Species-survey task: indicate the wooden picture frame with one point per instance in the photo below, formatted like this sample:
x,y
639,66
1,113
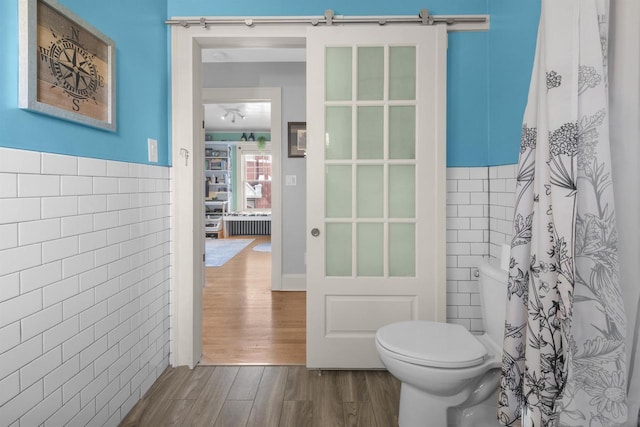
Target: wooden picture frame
x,y
67,66
297,139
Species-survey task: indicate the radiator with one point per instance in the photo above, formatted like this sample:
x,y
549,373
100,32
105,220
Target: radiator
x,y
248,226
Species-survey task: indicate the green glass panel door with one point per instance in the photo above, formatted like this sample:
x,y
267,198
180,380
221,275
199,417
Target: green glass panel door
x,y
379,172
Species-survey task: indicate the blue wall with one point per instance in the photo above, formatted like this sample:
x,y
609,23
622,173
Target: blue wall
x,y
138,29
488,74
512,42
317,7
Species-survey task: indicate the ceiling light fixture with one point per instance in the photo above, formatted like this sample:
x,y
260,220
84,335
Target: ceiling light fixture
x,y
233,112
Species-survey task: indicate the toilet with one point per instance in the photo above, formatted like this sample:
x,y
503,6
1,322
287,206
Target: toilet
x,y
445,371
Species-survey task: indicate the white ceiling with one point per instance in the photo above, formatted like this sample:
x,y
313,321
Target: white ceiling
x,y
254,55
257,117
257,114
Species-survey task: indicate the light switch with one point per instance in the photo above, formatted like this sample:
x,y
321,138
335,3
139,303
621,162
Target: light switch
x,y
291,180
153,150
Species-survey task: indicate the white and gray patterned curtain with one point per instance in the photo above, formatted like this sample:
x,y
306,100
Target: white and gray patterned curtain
x,y
563,354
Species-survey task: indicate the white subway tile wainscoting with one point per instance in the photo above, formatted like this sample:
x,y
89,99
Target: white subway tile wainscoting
x,y
85,279
502,202
84,287
480,204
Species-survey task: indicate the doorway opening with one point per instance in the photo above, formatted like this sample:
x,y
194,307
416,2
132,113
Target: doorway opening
x,y
188,96
244,319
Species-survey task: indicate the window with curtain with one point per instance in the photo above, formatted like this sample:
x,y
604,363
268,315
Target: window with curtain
x,y
255,180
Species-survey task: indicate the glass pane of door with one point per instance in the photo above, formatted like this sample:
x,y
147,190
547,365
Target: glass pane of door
x,y
370,249
370,73
338,73
338,191
338,249
402,250
370,183
370,132
402,72
402,132
338,133
402,191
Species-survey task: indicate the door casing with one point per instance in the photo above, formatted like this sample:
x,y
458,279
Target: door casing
x,y
186,112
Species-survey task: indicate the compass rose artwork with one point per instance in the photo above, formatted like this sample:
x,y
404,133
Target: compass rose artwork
x,y
67,67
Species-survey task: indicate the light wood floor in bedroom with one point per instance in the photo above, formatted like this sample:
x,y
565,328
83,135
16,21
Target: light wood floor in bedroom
x,y
244,323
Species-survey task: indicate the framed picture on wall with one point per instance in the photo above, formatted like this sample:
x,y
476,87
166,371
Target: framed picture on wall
x,y
297,139
67,67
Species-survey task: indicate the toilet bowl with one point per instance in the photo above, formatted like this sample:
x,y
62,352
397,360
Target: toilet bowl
x,y
442,367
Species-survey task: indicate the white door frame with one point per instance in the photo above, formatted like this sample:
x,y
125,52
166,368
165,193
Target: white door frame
x,y
186,135
272,95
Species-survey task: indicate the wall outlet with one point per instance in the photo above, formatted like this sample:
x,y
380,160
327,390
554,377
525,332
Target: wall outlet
x,y
153,150
291,180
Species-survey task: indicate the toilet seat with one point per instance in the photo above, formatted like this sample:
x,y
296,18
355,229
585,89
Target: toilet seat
x,y
434,344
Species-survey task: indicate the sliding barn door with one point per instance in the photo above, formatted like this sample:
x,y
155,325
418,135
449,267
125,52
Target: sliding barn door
x,y
376,186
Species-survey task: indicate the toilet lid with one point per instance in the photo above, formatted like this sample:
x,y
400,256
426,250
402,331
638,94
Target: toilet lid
x,y
441,345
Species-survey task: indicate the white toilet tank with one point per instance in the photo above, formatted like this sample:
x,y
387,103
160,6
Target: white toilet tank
x,y
493,297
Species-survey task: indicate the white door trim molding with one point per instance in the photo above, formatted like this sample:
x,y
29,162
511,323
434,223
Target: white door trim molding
x,y
187,250
274,96
187,137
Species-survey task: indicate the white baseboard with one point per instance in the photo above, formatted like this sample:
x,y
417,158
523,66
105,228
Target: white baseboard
x,y
294,282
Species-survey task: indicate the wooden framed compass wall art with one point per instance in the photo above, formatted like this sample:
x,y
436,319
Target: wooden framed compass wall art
x,y
67,67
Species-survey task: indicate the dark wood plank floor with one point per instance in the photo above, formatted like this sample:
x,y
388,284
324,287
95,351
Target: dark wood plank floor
x,y
268,396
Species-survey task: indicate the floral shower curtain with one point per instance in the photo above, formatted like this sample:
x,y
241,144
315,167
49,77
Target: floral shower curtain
x,y
563,353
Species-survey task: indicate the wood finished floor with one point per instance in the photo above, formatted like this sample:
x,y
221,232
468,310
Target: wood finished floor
x,y
268,396
244,322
